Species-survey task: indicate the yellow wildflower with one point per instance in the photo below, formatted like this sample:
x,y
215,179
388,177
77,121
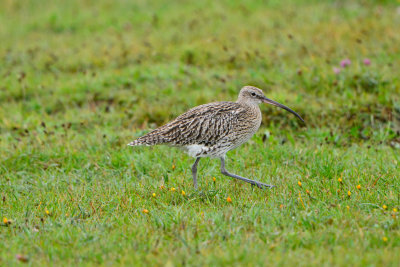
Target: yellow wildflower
x,y
145,211
47,211
347,207
384,207
340,180
394,210
228,199
5,220
214,179
154,194
173,189
299,183
183,193
173,166
349,193
359,187
385,239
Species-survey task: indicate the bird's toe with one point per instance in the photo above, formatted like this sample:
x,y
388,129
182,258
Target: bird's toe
x,y
262,186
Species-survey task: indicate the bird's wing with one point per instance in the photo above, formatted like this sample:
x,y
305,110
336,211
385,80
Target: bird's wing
x,y
205,124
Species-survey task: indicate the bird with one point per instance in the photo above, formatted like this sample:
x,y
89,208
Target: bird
x,y
211,130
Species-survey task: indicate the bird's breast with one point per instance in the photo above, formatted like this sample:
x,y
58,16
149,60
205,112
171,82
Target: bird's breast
x,y
246,126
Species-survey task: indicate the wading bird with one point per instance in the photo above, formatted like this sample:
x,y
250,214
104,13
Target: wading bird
x,y
211,130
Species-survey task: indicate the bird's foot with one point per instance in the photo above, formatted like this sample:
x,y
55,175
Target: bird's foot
x,y
262,185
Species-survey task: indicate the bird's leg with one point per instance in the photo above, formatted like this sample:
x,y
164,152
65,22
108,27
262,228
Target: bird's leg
x,y
252,182
194,172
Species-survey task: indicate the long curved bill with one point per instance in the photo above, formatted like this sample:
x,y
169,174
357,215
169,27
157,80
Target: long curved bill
x,y
272,102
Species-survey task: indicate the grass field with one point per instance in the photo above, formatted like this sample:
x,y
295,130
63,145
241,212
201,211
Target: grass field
x,y
81,79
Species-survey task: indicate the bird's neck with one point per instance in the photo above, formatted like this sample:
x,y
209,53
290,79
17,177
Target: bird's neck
x,y
247,103
254,107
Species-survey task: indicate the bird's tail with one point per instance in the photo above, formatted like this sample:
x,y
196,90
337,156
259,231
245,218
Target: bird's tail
x,y
136,143
150,139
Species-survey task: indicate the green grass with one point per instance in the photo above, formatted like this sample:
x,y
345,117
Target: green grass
x,y
80,79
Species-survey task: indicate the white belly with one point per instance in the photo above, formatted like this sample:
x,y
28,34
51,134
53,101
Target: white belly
x,y
195,150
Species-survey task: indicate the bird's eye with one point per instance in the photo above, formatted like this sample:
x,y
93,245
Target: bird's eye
x,y
253,94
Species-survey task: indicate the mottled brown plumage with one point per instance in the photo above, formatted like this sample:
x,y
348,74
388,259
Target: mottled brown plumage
x,y
211,130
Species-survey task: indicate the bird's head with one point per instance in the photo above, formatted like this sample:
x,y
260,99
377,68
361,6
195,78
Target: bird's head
x,y
254,95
